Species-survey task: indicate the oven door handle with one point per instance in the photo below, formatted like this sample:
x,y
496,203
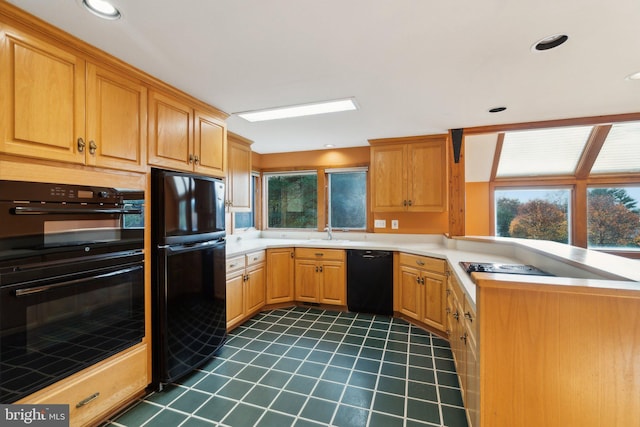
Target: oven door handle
x,y
39,289
25,210
176,249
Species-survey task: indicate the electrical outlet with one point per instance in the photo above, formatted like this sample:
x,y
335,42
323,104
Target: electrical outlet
x,y
394,224
380,223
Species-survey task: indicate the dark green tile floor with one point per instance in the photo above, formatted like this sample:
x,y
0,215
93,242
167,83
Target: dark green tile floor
x,y
308,367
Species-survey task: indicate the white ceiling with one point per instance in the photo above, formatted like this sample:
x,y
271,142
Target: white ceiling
x,y
414,66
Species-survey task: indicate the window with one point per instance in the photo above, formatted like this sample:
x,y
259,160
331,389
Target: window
x,y
541,213
347,198
292,200
248,219
613,218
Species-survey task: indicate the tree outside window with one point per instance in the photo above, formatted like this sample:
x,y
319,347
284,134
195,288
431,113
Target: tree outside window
x,y
292,200
613,218
348,199
541,214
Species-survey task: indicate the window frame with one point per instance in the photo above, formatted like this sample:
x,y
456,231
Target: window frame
x,y
265,197
359,169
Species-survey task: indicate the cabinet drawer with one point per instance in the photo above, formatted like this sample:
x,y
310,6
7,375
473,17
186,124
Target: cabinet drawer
x,y
93,395
254,258
321,254
235,263
425,263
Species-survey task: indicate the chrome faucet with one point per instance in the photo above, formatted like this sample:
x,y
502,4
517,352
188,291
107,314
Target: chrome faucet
x,y
329,231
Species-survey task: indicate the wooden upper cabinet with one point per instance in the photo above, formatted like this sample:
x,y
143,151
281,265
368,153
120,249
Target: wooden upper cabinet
x,y
42,102
181,137
239,174
58,107
210,148
409,174
116,120
170,132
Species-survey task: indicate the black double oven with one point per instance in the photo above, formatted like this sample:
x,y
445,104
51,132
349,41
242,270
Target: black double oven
x,y
71,280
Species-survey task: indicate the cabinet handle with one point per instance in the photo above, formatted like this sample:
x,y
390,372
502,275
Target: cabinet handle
x,y
467,315
410,203
190,158
404,203
456,315
448,310
420,262
246,278
418,280
319,254
463,338
422,281
448,291
316,268
232,265
92,147
196,159
87,400
292,254
81,145
320,269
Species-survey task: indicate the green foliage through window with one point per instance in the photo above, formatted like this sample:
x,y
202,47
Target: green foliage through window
x,y
292,200
348,200
613,218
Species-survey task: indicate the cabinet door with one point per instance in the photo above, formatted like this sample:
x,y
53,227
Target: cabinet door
x,y
434,302
255,288
427,176
307,276
235,299
42,101
116,120
280,275
239,177
210,149
410,292
170,132
388,178
333,287
472,391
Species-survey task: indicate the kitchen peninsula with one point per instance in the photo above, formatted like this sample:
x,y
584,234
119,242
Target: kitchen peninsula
x,y
530,350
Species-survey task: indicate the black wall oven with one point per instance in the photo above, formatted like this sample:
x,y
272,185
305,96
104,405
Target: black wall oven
x,y
71,280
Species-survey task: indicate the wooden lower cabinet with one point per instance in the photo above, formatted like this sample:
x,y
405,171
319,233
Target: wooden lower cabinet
x,y
421,282
96,392
461,327
246,291
320,276
280,275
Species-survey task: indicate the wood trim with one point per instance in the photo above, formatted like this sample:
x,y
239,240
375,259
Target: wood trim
x,y
409,139
456,189
579,214
591,150
496,156
593,120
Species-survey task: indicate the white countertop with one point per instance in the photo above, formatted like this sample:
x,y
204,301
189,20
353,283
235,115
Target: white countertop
x,y
559,259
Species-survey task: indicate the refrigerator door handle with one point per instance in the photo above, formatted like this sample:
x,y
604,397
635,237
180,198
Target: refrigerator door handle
x,y
174,249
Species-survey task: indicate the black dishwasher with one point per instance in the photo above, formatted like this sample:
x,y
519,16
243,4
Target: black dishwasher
x,y
370,281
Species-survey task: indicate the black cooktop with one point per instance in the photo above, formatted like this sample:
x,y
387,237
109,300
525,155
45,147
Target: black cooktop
x,y
494,267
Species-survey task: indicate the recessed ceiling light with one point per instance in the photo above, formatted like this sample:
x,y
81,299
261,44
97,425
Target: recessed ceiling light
x,y
102,9
550,42
497,109
299,110
634,76
329,145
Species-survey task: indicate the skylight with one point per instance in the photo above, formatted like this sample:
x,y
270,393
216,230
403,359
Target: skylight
x,y
551,151
621,150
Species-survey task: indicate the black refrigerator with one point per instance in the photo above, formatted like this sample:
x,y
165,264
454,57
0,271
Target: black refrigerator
x,y
188,272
